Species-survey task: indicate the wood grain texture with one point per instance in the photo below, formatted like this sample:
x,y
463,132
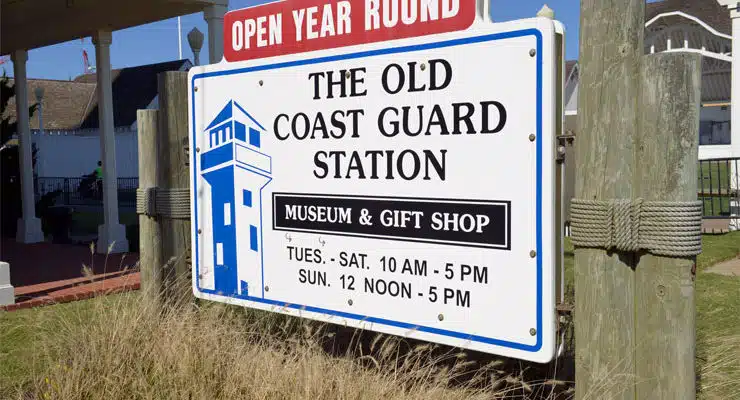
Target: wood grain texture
x,y
174,172
611,46
150,235
667,169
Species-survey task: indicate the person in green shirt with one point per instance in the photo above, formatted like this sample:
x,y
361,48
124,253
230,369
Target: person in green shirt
x,y
99,170
99,177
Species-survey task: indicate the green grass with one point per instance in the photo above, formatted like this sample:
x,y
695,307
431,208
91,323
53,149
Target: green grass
x,y
716,206
717,248
87,222
20,335
715,174
714,177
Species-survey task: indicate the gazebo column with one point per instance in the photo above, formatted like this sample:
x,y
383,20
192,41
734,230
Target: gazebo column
x,y
735,115
29,227
214,16
111,235
735,95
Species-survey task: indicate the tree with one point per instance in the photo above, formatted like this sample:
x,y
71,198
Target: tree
x,y
10,190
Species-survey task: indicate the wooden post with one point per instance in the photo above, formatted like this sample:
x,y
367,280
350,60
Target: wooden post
x,y
150,239
174,173
610,52
638,132
667,160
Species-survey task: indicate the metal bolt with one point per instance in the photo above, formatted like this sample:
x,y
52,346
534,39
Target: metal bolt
x,y
261,82
350,302
561,150
197,149
195,88
441,317
533,254
661,290
532,52
423,66
267,288
532,138
347,74
200,231
533,332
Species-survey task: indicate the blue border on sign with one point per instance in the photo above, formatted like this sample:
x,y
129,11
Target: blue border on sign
x,y
371,53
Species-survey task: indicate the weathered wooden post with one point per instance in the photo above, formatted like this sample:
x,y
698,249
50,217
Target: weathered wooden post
x,y
174,173
150,234
163,199
636,224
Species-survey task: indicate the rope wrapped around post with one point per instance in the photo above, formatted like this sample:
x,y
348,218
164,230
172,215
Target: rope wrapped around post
x,y
168,203
663,228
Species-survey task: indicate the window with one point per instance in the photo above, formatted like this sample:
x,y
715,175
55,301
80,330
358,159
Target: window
x,y
227,214
253,237
247,198
254,137
219,254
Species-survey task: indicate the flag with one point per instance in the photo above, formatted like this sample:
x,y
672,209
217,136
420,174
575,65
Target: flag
x,y
85,62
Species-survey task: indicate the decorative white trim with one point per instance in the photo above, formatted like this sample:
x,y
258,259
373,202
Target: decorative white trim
x,y
704,53
691,17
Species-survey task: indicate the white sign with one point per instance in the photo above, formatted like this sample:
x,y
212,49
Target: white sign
x,y
404,187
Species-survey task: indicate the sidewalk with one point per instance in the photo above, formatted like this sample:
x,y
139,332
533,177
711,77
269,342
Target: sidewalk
x,y
73,289
46,273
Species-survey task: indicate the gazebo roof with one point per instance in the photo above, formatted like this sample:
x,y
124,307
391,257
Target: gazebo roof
x,y
709,11
28,24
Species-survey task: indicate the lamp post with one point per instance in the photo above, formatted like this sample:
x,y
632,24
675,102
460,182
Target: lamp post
x,y
195,39
39,92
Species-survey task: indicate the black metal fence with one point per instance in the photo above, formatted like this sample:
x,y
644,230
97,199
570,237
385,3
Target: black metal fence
x,y
85,191
719,183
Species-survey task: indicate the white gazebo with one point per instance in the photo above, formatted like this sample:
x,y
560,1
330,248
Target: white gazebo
x,y
29,24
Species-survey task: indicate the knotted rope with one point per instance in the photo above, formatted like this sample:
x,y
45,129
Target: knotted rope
x,y
659,227
169,203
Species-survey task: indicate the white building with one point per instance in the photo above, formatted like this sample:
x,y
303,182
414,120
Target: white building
x,y
67,121
695,26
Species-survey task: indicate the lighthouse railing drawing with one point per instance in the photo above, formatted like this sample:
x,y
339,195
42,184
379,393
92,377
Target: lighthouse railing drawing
x,y
235,171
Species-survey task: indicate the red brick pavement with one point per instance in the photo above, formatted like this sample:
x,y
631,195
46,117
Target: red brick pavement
x,y
31,264
46,273
73,289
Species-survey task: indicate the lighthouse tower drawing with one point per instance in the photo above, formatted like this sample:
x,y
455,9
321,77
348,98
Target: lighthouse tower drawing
x,y
235,170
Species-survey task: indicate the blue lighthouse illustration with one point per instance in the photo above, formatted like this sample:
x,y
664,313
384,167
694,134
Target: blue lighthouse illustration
x,y
236,170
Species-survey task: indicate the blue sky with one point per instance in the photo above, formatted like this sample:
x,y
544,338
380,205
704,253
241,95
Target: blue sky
x,y
157,42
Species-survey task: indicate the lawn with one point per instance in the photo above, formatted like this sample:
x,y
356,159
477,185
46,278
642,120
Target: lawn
x,y
113,348
87,222
714,181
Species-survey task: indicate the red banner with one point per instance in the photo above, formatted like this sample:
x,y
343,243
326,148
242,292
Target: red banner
x,y
297,26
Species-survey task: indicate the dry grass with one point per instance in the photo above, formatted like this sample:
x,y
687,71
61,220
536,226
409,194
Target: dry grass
x,y
720,372
124,347
121,347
